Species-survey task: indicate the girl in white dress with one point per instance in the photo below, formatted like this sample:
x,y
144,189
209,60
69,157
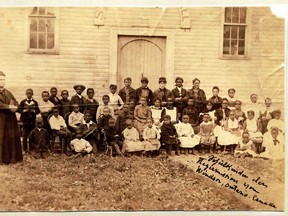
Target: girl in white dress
x,y
131,138
151,136
156,110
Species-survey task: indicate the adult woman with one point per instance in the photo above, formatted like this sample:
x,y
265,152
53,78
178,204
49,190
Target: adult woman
x,y
10,143
198,95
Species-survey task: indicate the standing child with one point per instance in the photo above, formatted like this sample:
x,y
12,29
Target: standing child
x,y
131,137
169,135
254,105
65,103
75,118
162,92
122,117
215,99
276,122
78,98
141,113
266,114
231,98
240,115
91,104
156,111
207,137
193,114
116,101
45,107
28,109
127,93
79,145
151,136
105,100
188,140
39,140
170,110
245,147
180,96
54,99
144,91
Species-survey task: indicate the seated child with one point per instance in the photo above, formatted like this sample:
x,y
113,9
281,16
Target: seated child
x,y
245,147
75,118
116,101
169,135
45,107
89,130
132,106
208,109
273,142
207,137
103,120
170,110
131,138
65,103
105,100
266,114
151,136
141,113
240,115
231,133
39,140
79,145
144,91
276,122
193,114
113,138
91,104
78,98
59,128
186,134
156,111
231,98
122,117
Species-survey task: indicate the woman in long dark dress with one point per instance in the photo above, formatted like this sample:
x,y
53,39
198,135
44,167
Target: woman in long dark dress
x,y
198,95
10,143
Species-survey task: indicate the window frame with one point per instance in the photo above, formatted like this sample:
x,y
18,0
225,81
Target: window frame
x,y
246,39
55,50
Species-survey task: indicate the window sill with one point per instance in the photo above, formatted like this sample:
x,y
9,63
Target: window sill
x,y
43,52
227,57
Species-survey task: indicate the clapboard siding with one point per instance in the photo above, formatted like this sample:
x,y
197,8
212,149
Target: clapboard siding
x,y
84,50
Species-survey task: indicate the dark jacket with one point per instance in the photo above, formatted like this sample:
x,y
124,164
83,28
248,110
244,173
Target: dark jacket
x,y
199,98
166,132
132,94
80,101
184,98
219,114
138,93
162,94
28,118
39,140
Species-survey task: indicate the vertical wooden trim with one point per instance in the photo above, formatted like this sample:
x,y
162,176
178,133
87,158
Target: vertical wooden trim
x,y
222,14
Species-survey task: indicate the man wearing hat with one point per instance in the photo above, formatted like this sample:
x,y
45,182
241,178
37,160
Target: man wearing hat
x,y
144,91
162,93
78,98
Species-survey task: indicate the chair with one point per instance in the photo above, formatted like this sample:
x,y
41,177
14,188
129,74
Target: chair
x,y
56,143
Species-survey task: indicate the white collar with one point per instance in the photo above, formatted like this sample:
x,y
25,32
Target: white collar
x,y
89,123
80,96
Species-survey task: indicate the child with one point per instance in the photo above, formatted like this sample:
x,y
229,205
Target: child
x,y
276,122
156,111
127,93
59,127
132,106
231,133
193,114
131,137
89,130
215,99
116,101
273,142
45,107
39,140
28,109
144,91
122,117
54,99
141,113
207,137
245,147
266,114
100,109
78,98
254,105
253,127
91,104
231,98
151,136
65,103
79,145
113,138
186,134
169,135
240,115
180,96
75,118
170,110
162,93
222,114
103,120
208,109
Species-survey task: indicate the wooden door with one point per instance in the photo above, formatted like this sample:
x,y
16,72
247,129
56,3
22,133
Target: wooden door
x,y
141,57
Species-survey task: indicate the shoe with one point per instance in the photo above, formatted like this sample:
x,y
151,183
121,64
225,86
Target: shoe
x,y
68,153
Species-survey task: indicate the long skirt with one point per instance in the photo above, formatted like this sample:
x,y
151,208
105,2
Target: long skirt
x,y
189,142
227,138
133,146
151,145
10,143
207,139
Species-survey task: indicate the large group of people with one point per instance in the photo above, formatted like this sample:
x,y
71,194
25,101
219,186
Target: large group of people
x,y
139,120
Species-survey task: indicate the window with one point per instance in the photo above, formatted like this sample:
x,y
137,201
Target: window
x,y
42,30
234,31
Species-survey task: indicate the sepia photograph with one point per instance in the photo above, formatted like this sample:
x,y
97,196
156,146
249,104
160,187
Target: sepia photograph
x,y
123,108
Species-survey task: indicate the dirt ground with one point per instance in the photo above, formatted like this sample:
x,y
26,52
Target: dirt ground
x,y
102,183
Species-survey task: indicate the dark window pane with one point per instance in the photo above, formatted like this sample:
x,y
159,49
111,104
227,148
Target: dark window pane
x,y
33,40
241,43
34,10
234,30
226,32
50,25
42,41
226,47
228,14
42,11
234,47
33,24
42,25
242,15
50,41
242,32
235,16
